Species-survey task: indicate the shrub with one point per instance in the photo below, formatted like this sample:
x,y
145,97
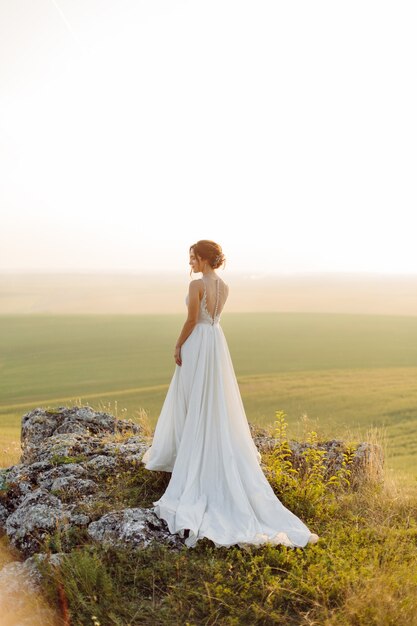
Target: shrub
x,y
308,492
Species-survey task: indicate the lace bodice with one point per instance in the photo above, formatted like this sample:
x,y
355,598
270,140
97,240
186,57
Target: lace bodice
x,y
214,298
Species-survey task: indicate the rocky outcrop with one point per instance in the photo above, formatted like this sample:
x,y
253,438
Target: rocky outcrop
x,y
131,527
69,454
367,458
70,432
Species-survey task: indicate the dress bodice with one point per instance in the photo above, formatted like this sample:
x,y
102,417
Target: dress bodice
x,y
204,316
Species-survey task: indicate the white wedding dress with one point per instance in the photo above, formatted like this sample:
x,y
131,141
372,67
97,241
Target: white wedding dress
x,y
217,488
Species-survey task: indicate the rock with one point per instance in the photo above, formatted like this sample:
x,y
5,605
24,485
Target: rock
x,y
70,485
40,424
4,513
54,559
68,470
20,480
14,571
100,464
14,490
133,449
32,564
17,584
20,593
52,449
367,461
66,453
39,514
132,527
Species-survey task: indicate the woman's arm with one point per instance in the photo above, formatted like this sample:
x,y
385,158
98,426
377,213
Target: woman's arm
x,y
191,321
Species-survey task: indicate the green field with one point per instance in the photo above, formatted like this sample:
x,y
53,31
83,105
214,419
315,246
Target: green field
x,y
345,373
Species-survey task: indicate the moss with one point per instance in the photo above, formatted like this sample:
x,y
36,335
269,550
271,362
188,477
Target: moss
x,y
3,482
61,459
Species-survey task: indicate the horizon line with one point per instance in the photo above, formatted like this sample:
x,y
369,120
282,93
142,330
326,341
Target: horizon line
x,y
132,272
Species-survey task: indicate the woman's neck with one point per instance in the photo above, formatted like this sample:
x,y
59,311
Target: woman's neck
x,y
209,273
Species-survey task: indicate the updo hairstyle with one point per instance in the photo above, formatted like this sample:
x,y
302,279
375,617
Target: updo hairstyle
x,y
209,251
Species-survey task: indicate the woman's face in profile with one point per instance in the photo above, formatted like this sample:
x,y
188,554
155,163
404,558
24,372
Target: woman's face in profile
x,y
194,261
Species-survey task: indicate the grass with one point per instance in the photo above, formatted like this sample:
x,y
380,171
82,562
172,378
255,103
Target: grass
x,y
350,376
363,571
336,369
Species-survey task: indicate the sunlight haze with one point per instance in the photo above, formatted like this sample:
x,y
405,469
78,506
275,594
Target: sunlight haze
x,y
284,131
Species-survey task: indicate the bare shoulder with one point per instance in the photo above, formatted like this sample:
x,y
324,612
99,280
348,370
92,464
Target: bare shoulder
x,y
226,286
225,289
195,283
196,286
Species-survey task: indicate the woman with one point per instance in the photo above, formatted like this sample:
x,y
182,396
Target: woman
x,y
217,487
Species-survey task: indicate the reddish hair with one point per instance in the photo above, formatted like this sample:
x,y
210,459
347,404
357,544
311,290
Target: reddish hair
x,y
209,251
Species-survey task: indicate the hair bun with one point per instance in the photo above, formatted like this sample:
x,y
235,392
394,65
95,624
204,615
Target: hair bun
x,y
210,251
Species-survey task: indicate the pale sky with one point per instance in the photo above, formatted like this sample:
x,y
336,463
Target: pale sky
x,y
286,131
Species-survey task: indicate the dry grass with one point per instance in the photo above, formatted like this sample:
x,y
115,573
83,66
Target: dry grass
x,y
20,602
10,454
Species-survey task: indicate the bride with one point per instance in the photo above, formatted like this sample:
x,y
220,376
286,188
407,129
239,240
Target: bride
x,y
217,487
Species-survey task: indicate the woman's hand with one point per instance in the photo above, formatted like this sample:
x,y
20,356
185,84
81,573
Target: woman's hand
x,y
177,355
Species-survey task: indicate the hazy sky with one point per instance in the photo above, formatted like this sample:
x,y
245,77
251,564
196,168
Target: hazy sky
x,y
286,131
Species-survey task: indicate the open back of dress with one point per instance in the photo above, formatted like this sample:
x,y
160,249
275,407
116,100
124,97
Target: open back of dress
x,y
214,296
215,293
